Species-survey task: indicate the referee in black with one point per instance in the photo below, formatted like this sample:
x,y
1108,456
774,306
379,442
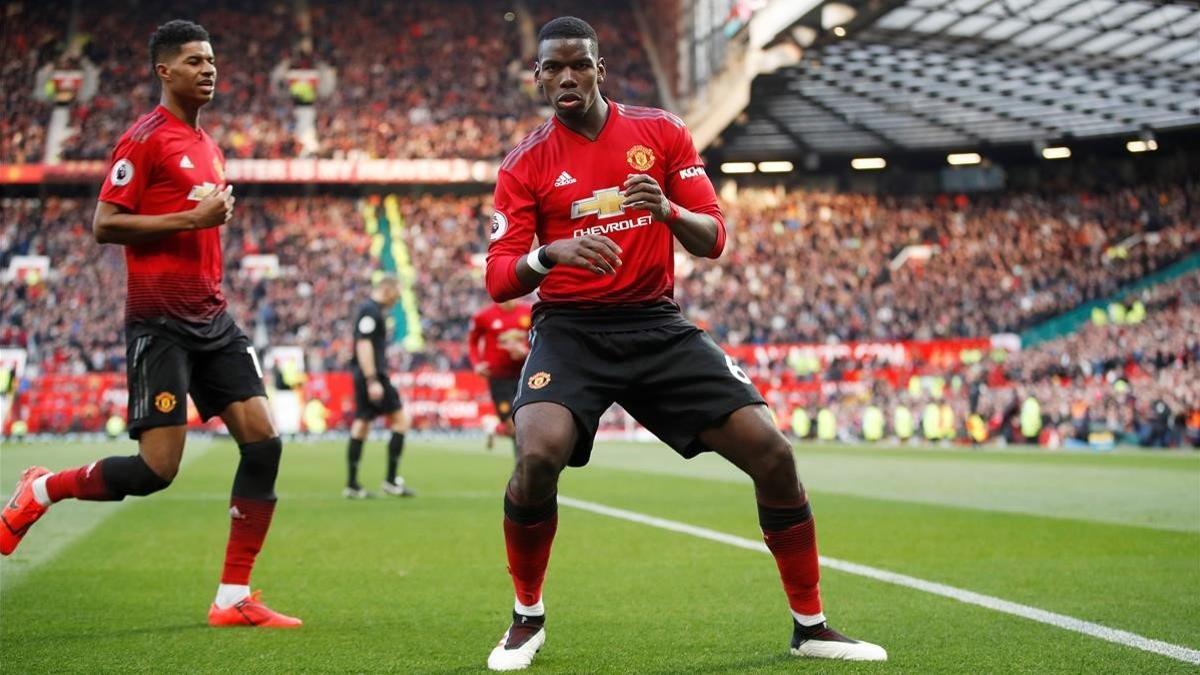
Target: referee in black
x,y
374,394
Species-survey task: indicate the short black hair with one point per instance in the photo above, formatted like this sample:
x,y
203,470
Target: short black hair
x,y
171,36
568,28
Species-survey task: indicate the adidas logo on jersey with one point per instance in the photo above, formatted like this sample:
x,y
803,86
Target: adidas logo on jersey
x,y
564,178
186,163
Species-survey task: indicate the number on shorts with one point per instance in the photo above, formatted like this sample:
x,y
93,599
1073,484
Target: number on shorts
x,y
254,358
739,374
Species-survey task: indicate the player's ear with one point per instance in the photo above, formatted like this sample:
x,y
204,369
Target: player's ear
x,y
163,71
600,69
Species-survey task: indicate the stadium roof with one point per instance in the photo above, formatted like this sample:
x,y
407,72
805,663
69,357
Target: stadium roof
x,y
963,74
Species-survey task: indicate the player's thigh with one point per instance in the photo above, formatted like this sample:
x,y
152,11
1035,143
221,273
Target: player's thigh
x,y
161,449
749,439
686,386
397,420
228,375
249,421
547,429
158,371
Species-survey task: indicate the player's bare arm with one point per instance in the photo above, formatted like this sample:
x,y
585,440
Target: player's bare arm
x,y
366,360
112,224
696,231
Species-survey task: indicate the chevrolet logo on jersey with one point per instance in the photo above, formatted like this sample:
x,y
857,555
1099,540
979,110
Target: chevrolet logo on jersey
x,y
604,203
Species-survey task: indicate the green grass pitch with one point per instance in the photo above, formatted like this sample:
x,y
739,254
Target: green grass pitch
x,y
419,585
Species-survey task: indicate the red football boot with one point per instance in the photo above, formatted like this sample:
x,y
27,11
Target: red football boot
x,y
22,511
251,612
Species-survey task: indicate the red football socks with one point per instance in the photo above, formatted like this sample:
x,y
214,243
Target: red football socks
x,y
792,539
85,482
249,521
528,534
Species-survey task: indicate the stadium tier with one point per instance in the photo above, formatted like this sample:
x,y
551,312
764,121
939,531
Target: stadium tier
x,y
405,80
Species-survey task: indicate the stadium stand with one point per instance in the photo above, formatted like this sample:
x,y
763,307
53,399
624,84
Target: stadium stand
x,y
251,115
31,40
745,298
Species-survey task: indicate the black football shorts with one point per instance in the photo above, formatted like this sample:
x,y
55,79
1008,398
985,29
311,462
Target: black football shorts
x,y
365,408
504,390
165,363
669,375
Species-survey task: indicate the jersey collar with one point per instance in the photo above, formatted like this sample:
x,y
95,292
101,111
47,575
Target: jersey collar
x,y
577,137
196,131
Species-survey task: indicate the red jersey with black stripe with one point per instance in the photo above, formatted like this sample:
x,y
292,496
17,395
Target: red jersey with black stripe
x,y
557,184
164,165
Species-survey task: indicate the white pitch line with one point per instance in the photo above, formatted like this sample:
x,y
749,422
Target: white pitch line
x,y
1121,637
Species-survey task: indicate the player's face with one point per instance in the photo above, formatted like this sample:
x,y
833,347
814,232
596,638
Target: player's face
x,y
192,74
569,73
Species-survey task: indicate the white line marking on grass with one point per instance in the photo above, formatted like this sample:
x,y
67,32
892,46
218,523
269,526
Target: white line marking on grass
x,y
1121,637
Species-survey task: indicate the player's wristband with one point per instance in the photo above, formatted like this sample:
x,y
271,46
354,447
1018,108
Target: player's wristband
x,y
538,261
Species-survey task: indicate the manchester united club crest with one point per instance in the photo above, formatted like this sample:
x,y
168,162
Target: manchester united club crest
x,y
539,380
640,157
164,402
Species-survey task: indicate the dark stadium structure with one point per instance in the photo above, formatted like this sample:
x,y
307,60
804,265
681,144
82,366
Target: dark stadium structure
x,y
936,76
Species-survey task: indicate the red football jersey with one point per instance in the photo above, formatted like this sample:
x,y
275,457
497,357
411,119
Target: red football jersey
x,y
500,338
558,184
164,165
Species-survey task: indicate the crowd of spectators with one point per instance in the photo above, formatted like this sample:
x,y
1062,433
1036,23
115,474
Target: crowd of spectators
x,y
417,79
31,37
251,115
446,78
1140,380
811,267
1045,254
70,321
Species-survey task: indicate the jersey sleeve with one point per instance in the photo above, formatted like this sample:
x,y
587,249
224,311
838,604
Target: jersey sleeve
x,y
366,325
129,171
514,224
688,184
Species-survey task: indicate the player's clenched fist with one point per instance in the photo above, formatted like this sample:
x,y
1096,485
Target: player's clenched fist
x,y
641,191
593,252
215,209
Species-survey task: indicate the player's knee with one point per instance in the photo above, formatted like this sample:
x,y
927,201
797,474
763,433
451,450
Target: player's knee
x,y
132,476
775,461
258,469
537,472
